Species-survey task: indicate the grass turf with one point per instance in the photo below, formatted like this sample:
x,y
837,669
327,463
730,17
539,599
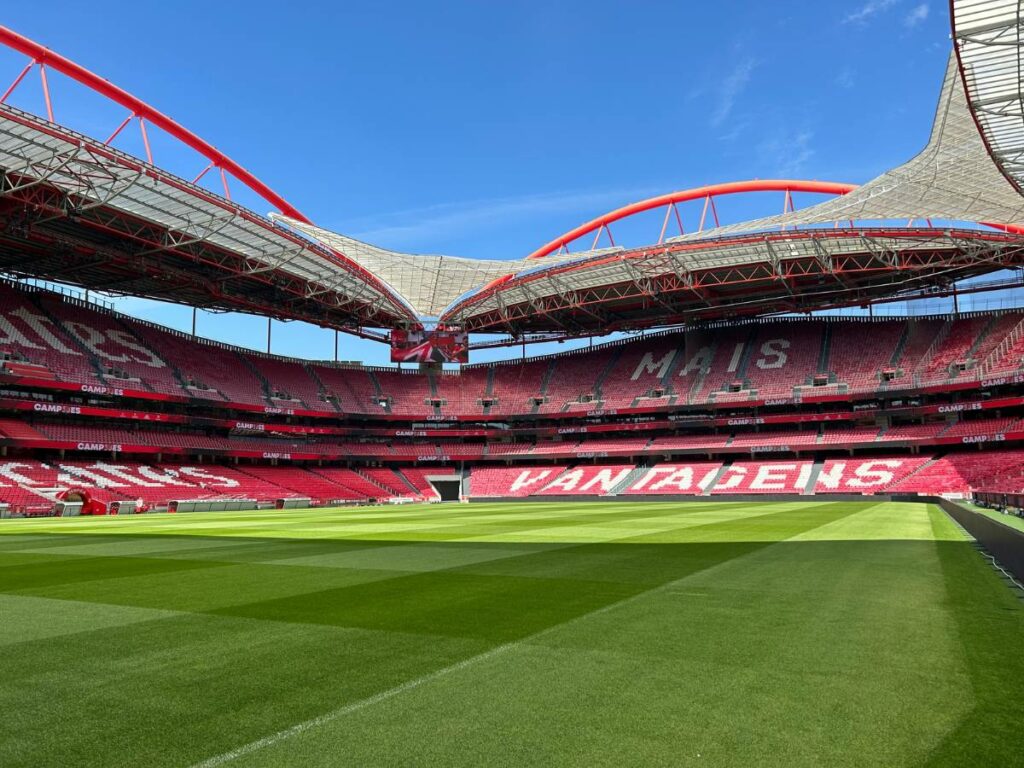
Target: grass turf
x,y
1000,517
711,634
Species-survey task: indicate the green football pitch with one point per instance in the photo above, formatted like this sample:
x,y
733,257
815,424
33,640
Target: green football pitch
x,y
704,634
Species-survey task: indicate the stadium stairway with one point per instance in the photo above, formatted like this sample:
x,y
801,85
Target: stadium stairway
x,y
176,373
435,410
901,346
667,378
385,479
980,339
379,392
94,362
17,429
629,480
325,396
489,389
673,367
924,465
812,480
268,390
122,324
748,352
406,482
544,383
718,476
1011,342
933,349
613,360
698,383
826,351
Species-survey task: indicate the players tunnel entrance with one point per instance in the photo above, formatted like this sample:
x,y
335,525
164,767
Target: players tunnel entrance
x,y
447,488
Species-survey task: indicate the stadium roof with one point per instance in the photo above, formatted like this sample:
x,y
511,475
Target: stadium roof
x,y
428,283
851,249
987,37
73,209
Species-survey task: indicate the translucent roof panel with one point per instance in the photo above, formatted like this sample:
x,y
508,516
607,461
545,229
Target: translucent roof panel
x,y
987,37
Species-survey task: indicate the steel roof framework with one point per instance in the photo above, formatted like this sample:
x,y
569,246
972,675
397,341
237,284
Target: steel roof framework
x,y
73,209
987,41
804,271
99,186
952,179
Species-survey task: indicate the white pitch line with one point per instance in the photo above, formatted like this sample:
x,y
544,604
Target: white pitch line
x,y
377,698
355,706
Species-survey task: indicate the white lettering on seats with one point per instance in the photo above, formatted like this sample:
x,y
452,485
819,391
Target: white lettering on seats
x,y
649,365
680,478
731,478
830,477
11,335
772,477
527,478
125,475
652,474
10,471
871,473
566,482
37,324
91,339
773,348
202,474
70,475
162,476
737,355
606,480
701,361
804,477
146,357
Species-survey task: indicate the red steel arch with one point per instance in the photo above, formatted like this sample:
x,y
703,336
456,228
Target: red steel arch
x,y
710,192
46,58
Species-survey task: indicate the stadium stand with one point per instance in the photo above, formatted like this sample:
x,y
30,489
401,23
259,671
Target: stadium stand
x,y
78,343
419,478
763,477
502,482
587,481
673,479
865,475
716,378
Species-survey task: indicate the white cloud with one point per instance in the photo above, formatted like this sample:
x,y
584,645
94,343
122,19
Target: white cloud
x,y
786,155
731,89
917,14
867,10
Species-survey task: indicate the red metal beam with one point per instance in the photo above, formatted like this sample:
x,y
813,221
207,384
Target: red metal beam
x,y
44,56
109,155
713,190
733,275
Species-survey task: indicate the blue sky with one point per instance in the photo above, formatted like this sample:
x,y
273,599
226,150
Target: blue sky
x,y
486,129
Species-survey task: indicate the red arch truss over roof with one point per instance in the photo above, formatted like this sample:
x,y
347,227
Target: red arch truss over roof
x,y
708,194
159,235
76,210
44,57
